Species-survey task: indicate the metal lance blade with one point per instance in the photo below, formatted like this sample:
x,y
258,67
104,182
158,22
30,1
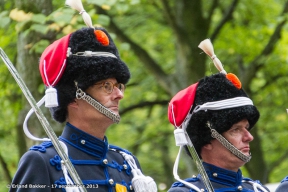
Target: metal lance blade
x,y
49,131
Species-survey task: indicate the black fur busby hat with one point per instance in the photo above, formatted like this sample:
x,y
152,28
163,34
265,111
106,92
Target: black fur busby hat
x,y
86,56
217,101
215,88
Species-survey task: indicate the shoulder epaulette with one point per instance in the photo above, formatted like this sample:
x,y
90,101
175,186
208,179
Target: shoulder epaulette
x,y
285,179
113,147
42,147
179,184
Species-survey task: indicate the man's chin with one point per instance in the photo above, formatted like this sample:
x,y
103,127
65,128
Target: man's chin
x,y
246,153
114,110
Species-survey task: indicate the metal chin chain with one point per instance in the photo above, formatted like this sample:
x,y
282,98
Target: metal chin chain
x,y
228,145
101,108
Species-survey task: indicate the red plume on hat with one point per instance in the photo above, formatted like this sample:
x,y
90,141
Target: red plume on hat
x,y
52,66
181,104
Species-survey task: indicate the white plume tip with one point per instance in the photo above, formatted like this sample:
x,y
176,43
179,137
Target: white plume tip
x,y
77,5
207,47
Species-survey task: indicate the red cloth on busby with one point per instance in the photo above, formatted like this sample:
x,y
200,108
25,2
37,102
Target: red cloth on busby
x,y
182,103
53,61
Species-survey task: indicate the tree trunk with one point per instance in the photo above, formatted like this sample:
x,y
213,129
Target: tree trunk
x,y
192,28
5,169
27,66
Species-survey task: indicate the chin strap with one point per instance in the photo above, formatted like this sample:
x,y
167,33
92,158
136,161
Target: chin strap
x,y
98,106
228,145
226,104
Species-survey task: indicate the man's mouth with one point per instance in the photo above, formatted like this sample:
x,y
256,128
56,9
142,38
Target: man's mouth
x,y
114,108
245,149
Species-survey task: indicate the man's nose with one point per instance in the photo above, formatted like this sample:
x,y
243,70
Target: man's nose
x,y
118,94
248,136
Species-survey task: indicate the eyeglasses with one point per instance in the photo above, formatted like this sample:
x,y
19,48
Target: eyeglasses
x,y
108,86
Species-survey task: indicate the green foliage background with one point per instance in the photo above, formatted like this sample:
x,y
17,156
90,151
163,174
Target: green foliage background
x,y
144,129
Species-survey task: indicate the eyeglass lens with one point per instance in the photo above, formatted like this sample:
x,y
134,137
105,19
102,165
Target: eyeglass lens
x,y
109,86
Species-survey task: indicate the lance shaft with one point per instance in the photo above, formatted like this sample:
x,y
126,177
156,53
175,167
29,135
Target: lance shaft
x,y
200,168
49,131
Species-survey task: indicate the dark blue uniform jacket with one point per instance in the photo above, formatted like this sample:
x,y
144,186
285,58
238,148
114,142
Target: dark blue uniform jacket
x,y
99,165
222,180
283,187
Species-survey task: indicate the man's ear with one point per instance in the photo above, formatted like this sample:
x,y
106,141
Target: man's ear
x,y
73,104
208,146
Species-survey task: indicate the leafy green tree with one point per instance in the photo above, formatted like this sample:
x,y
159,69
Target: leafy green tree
x,y
236,28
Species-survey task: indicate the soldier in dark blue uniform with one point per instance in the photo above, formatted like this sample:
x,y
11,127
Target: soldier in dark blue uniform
x,y
283,187
217,116
85,80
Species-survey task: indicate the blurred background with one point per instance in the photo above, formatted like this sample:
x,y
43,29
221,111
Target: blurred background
x,y
158,39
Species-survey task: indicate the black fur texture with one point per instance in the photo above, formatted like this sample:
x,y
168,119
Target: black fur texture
x,y
215,88
87,70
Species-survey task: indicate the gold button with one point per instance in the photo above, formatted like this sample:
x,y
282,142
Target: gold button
x,y
105,161
215,174
240,188
83,142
